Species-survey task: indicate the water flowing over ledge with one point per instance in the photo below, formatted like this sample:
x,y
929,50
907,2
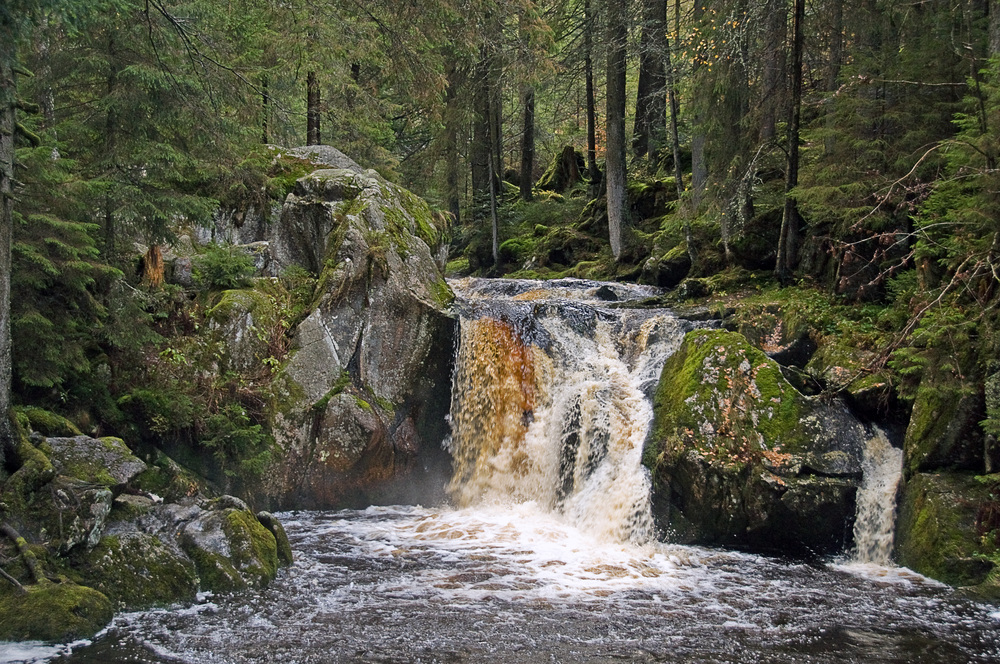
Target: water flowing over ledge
x,y
550,401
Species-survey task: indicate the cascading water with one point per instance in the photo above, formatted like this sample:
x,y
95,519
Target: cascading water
x,y
550,400
538,563
882,468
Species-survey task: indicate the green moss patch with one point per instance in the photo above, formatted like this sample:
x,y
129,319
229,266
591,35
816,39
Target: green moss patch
x,y
53,612
137,570
725,399
936,532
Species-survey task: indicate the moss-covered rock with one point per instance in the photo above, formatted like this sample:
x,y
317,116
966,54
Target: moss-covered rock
x,y
272,523
943,431
105,461
53,612
231,550
740,458
48,423
369,373
938,534
137,570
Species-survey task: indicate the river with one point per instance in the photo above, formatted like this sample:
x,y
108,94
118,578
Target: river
x,y
547,551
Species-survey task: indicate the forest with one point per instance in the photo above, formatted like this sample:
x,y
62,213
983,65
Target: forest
x,y
832,163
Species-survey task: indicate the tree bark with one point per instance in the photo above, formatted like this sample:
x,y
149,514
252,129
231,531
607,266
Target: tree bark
x,y
528,144
588,66
452,120
833,69
788,235
8,98
650,104
615,159
994,28
265,102
699,169
773,76
312,109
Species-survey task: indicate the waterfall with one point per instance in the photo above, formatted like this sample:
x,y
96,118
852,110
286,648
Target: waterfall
x,y
551,400
882,466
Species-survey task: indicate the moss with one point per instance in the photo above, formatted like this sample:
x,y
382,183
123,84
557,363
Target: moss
x,y
342,382
46,422
442,293
253,548
215,572
936,529
53,612
166,478
725,399
33,471
272,523
138,571
363,405
458,267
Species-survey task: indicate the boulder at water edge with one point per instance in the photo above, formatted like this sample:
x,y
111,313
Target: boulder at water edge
x,y
740,458
81,539
369,377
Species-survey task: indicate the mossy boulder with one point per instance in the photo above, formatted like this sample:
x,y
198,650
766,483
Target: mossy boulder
x,y
105,461
52,612
939,530
943,432
231,550
47,423
272,523
740,458
138,570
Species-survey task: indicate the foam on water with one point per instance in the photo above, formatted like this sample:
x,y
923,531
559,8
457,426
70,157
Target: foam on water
x,y
550,401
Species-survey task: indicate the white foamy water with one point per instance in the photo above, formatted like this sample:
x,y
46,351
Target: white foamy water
x,y
882,468
550,401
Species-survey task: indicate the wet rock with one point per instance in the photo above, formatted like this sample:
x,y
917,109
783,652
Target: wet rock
x,y
231,550
52,612
137,570
68,513
938,530
740,458
943,431
272,523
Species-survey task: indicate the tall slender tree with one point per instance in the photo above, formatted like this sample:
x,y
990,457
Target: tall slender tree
x,y
617,34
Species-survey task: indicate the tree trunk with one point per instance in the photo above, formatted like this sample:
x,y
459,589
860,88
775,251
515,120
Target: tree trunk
x,y
833,69
528,144
994,28
773,76
588,65
265,102
481,151
8,94
312,109
699,169
788,236
452,120
615,159
110,151
650,104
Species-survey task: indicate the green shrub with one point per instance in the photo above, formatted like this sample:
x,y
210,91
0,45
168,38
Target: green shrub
x,y
223,268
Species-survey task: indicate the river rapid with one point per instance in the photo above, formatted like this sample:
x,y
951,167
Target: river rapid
x,y
547,551
519,585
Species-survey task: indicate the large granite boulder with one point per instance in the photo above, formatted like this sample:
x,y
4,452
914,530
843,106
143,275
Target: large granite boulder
x,y
740,458
368,382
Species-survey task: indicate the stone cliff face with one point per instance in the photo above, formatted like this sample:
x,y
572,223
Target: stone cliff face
x,y
369,375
